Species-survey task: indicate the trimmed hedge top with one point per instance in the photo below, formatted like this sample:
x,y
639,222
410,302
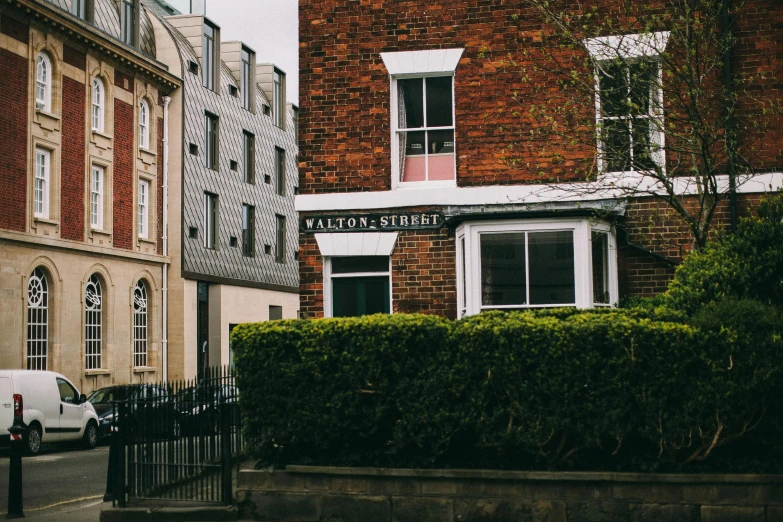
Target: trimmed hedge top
x,y
554,389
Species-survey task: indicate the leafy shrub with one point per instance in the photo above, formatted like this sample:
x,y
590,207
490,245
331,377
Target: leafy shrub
x,y
746,264
553,389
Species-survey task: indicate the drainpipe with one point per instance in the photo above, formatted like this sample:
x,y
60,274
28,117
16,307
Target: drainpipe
x,y
165,159
729,93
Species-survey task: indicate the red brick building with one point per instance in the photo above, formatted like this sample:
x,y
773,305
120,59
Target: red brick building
x,y
82,169
410,199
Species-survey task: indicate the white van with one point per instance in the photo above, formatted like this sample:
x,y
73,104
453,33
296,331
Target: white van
x,y
50,407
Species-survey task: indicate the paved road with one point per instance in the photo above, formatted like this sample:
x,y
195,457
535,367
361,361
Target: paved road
x,y
60,478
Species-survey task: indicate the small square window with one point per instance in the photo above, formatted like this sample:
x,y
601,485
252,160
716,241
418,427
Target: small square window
x,y
193,148
193,232
267,179
296,255
193,67
268,250
233,241
234,165
232,89
296,190
267,110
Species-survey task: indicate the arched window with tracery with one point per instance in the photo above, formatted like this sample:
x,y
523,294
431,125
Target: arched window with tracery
x,y
43,83
93,323
140,323
37,320
98,98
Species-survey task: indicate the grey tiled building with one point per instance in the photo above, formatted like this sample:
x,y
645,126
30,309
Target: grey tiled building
x,y
232,180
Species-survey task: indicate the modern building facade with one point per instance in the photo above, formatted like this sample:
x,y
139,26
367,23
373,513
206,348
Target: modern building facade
x,y
408,202
82,168
233,176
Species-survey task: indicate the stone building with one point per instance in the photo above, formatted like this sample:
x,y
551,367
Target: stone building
x,y
408,201
232,228
82,168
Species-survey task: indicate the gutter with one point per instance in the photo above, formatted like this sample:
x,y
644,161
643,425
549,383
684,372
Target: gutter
x,y
165,289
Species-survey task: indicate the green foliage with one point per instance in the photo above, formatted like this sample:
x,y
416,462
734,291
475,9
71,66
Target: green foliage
x,y
746,264
550,389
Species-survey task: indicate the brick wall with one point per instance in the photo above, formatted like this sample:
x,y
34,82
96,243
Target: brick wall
x,y
72,200
13,137
73,57
423,274
123,81
123,175
14,28
344,93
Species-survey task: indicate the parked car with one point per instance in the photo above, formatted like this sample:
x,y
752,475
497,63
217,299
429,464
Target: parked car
x,y
199,407
150,410
49,407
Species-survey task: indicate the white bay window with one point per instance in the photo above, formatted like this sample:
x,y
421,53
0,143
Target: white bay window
x,y
535,264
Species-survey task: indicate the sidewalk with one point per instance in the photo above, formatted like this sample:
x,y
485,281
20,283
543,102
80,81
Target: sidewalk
x,y
89,511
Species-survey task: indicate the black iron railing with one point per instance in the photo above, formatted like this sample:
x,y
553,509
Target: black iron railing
x,y
176,440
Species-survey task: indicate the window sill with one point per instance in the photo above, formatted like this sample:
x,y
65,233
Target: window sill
x,y
101,139
45,221
144,369
419,185
47,120
97,371
147,156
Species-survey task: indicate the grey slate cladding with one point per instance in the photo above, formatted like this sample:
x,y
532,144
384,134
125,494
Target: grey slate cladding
x,y
107,20
225,261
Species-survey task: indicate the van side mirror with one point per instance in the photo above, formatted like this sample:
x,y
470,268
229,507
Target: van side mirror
x,y
82,398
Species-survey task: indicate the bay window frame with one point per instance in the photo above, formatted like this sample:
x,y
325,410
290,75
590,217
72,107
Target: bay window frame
x,y
468,245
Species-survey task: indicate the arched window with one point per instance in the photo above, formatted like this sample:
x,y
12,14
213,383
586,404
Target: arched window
x,y
43,83
144,124
98,97
140,324
93,322
37,320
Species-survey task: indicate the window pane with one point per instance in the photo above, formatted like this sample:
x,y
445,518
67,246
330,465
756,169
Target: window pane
x,y
411,99
413,161
503,275
357,264
440,160
617,145
614,90
551,260
355,296
642,76
600,254
439,106
642,153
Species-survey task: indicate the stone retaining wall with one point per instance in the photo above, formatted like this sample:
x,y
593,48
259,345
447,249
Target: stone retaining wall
x,y
321,494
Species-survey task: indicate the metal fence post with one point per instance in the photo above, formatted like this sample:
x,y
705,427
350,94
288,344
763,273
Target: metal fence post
x,y
15,509
225,452
119,477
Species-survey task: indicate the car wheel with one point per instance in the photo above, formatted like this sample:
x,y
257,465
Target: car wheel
x,y
91,435
32,440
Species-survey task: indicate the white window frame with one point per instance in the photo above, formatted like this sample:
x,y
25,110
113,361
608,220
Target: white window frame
x,y
418,64
140,324
144,124
98,104
43,82
329,276
144,209
93,323
353,244
42,176
630,48
38,324
582,228
97,190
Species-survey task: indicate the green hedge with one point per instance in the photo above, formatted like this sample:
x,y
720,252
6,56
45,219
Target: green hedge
x,y
555,389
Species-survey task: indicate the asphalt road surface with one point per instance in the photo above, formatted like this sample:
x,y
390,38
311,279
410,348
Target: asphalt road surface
x,y
60,476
